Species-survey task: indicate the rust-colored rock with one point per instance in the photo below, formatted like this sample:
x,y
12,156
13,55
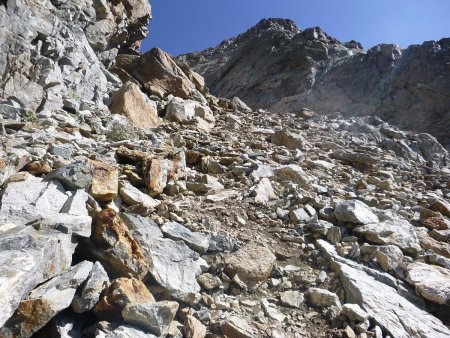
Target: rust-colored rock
x,y
118,251
163,170
157,176
28,318
162,76
105,181
132,102
119,293
38,167
436,223
441,206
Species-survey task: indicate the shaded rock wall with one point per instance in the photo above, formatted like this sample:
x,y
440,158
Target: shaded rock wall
x,y
275,65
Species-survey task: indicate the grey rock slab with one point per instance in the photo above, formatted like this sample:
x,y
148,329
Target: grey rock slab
x,y
77,175
431,281
154,317
354,312
173,265
27,258
323,298
393,231
143,226
222,196
76,203
220,242
291,298
395,314
28,200
68,224
125,331
354,211
89,294
237,327
133,196
271,311
194,240
393,310
48,300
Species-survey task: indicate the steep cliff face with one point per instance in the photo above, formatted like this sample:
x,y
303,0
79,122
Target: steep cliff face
x,y
59,49
275,65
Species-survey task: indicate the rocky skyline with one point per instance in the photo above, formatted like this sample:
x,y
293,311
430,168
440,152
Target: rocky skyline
x,y
276,66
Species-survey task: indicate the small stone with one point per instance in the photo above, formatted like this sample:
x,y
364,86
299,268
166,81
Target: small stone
x,y
194,240
154,317
292,299
354,312
252,264
193,328
105,181
323,298
209,281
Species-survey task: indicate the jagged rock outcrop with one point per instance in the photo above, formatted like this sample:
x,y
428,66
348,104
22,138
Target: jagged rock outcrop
x,y
276,66
56,50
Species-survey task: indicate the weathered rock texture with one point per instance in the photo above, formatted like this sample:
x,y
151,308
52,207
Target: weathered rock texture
x,y
275,65
53,50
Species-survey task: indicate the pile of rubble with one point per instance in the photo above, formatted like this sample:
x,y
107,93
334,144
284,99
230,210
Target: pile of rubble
x,y
173,213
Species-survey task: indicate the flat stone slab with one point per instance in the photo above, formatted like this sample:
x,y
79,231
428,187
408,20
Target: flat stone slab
x,y
431,281
393,231
194,240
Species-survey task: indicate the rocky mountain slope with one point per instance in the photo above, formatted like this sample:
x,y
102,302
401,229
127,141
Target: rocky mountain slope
x,y
276,66
133,203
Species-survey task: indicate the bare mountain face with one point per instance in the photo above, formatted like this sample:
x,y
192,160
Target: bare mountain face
x,y
276,66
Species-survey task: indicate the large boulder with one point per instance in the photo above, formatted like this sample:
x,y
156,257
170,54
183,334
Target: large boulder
x,y
28,258
354,212
136,106
393,231
431,281
161,75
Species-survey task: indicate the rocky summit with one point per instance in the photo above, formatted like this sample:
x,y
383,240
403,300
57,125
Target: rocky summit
x,y
134,203
276,66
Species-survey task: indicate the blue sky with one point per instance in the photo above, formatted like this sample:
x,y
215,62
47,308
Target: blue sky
x,y
180,26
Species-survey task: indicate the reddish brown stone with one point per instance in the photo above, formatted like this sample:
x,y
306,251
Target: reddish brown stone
x,y
105,181
118,251
119,293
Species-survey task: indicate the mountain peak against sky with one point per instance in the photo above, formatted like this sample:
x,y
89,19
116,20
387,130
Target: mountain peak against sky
x,y
277,23
180,27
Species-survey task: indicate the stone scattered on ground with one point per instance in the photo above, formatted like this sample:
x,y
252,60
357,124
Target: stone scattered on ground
x,y
135,203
